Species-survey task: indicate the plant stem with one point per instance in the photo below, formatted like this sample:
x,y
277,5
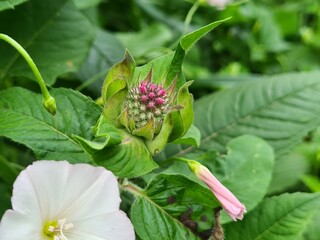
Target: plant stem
x,y
48,101
189,16
132,188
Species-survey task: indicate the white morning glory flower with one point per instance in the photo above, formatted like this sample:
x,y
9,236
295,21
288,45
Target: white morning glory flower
x,y
54,200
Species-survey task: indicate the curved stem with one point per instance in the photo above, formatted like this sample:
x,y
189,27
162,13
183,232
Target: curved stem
x,y
48,101
187,22
190,15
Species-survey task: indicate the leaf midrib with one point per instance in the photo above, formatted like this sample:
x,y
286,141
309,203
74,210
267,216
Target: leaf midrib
x,y
45,124
260,236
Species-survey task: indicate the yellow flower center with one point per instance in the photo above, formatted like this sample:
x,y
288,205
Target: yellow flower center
x,y
53,230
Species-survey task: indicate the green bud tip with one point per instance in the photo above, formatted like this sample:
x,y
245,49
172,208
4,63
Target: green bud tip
x,y
194,166
50,105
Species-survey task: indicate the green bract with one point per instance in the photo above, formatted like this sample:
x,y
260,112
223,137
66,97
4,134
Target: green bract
x,y
151,108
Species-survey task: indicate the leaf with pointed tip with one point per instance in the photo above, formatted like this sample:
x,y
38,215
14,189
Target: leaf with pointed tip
x,y
122,72
185,44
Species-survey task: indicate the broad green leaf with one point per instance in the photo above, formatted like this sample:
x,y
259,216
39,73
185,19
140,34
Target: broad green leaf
x,y
278,218
23,119
104,53
312,230
280,109
10,4
169,204
127,158
246,168
54,33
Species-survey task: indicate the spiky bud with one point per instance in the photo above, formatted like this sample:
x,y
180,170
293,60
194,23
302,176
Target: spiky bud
x,y
145,102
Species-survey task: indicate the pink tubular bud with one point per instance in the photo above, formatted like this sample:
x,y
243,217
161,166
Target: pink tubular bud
x,y
233,207
151,95
144,98
152,87
151,105
159,101
161,93
143,89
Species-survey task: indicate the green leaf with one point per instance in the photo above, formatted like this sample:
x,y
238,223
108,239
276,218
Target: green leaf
x,y
185,44
105,52
191,38
160,68
23,119
312,231
121,72
112,108
130,158
192,137
169,204
54,33
10,4
160,141
183,119
277,218
168,67
117,150
280,109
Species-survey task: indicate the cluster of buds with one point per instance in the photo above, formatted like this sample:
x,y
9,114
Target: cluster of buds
x,y
145,102
154,109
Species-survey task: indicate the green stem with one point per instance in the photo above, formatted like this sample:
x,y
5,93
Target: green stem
x,y
48,101
190,15
132,188
187,22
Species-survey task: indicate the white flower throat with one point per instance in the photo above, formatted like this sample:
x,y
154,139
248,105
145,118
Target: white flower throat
x,y
54,230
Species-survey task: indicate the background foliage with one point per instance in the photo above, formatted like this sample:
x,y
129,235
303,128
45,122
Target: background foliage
x,y
256,89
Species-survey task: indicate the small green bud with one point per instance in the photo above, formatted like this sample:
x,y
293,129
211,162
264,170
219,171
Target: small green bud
x,y
50,105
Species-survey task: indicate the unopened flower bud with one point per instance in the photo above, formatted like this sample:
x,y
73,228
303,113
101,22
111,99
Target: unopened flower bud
x,y
234,208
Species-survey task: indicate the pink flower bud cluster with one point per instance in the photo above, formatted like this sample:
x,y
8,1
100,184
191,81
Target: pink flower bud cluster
x,y
145,102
